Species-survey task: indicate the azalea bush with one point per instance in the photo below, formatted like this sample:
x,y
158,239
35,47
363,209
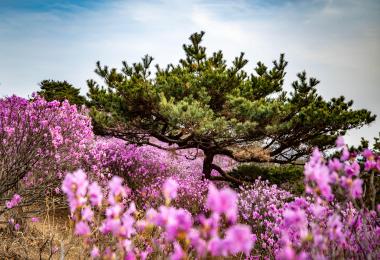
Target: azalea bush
x,y
330,221
148,202
40,141
328,225
145,169
162,232
260,206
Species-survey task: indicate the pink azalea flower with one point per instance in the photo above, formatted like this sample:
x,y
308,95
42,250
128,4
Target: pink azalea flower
x,y
217,247
368,154
356,189
9,130
170,188
239,238
197,242
117,190
340,142
95,194
287,253
178,221
9,204
317,172
17,226
75,187
345,154
130,256
16,199
111,225
223,201
35,219
335,229
178,253
127,229
335,165
144,254
128,245
370,164
210,225
294,217
82,229
87,214
353,169
11,221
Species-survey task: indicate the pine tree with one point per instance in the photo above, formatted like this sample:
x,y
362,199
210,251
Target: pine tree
x,y
60,90
222,110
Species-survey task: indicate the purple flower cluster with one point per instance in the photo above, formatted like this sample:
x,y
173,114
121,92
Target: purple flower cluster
x,y
261,206
144,202
145,170
331,221
43,139
319,225
168,230
334,221
16,199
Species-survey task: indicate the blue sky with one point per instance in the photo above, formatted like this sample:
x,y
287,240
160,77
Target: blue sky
x,y
337,41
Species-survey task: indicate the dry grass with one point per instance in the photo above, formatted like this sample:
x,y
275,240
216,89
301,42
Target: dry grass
x,y
50,238
250,152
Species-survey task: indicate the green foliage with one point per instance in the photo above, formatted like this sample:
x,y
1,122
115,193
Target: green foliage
x,y
376,145
60,90
364,143
286,176
203,103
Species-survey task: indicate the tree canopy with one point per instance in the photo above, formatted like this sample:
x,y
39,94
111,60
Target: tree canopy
x,y
204,103
60,90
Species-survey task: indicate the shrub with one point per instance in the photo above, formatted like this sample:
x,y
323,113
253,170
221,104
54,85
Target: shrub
x,y
289,177
163,232
318,225
40,141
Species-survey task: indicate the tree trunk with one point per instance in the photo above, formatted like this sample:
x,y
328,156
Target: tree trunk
x,y
207,165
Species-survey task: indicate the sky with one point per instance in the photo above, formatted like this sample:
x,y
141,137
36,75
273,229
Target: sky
x,y
336,41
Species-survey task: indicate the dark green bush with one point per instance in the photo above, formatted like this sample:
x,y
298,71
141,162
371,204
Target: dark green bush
x,y
289,177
